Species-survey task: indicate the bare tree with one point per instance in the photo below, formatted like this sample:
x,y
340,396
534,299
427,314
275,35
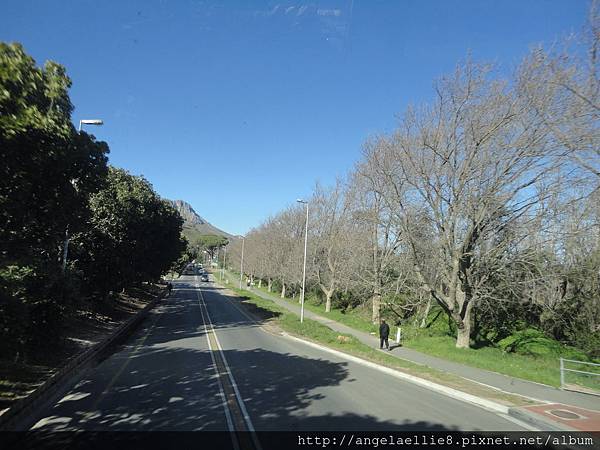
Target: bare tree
x,y
456,175
330,244
562,87
378,229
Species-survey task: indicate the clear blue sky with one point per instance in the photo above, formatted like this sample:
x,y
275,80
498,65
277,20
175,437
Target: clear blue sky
x,y
239,107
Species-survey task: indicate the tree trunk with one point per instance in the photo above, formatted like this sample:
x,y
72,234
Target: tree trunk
x,y
260,282
463,335
425,314
328,295
463,338
270,285
376,307
282,290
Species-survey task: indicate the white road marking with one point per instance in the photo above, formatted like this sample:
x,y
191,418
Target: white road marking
x,y
250,318
449,392
230,375
489,405
221,392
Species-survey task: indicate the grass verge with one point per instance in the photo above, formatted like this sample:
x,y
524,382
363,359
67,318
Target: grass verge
x,y
436,342
316,332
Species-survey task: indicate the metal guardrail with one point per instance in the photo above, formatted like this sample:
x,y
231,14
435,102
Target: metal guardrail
x,y
563,369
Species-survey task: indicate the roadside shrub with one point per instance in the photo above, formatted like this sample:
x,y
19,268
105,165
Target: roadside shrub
x,y
346,301
533,342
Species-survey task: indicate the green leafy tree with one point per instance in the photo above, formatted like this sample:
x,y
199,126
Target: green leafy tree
x,y
47,171
135,236
211,243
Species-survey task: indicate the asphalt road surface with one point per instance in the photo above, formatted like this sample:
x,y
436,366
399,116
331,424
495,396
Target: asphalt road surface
x,y
199,362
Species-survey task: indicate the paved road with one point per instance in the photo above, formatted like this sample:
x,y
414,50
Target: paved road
x,y
500,381
179,372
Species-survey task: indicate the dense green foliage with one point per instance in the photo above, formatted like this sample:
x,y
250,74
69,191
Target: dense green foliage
x,y
198,243
134,235
56,183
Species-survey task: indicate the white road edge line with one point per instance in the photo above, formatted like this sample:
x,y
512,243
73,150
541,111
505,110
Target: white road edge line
x,y
244,313
449,392
489,405
542,402
466,378
221,392
231,379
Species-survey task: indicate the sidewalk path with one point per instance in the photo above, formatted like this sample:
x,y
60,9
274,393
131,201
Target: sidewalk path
x,y
506,383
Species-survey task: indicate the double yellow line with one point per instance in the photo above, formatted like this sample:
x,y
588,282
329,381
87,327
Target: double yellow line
x,y
240,426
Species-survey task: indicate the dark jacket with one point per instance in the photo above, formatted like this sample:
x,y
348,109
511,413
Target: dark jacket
x,y
384,330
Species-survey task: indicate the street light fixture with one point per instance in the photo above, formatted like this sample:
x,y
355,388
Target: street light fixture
x,y
90,122
304,269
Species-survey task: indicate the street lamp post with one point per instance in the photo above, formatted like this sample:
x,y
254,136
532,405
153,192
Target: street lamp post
x,y
67,237
242,263
223,263
304,267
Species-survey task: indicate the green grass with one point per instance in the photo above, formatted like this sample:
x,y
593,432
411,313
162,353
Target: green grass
x,y
317,332
435,342
350,319
353,319
534,369
541,368
586,380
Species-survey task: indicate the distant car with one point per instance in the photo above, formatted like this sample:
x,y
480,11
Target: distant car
x,y
204,277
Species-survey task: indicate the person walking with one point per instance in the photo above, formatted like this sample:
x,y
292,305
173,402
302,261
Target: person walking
x,y
384,333
169,288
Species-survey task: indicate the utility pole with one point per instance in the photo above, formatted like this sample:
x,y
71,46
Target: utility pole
x,y
223,264
242,263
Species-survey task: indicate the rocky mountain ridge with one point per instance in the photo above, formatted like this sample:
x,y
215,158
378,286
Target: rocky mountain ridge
x,y
192,220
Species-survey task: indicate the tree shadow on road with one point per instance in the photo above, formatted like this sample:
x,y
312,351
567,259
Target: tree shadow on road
x,y
164,379
175,388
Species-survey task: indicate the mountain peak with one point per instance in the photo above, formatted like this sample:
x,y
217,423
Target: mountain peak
x,y
187,212
193,222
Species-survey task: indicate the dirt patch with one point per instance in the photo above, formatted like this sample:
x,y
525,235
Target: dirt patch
x,y
92,322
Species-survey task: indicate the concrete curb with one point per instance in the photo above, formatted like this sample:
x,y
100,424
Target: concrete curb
x,y
444,390
517,413
20,408
537,421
